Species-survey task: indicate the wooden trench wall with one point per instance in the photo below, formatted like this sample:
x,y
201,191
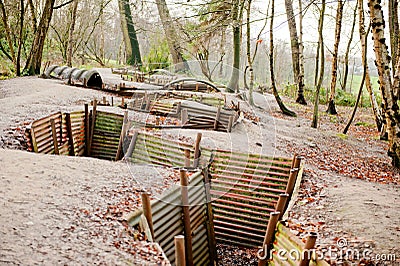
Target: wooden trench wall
x,y
170,216
80,133
230,195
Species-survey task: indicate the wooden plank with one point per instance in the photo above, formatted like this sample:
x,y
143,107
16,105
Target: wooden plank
x,y
54,135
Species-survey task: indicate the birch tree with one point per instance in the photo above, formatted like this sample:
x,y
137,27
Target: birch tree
x,y
339,15
387,88
295,47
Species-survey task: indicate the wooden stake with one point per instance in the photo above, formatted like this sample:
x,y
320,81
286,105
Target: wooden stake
x,y
187,158
297,162
34,143
124,129
212,244
104,100
281,204
268,238
186,217
147,212
112,101
180,259
292,181
308,249
131,145
217,118
92,126
184,116
87,129
230,123
54,134
196,159
69,134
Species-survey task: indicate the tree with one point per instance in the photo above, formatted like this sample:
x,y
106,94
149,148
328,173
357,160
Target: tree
x,y
70,48
34,60
321,54
278,99
346,54
394,30
172,37
295,47
387,88
339,14
129,34
236,18
361,26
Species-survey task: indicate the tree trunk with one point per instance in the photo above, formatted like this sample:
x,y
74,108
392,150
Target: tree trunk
x,y
346,55
20,37
33,15
70,44
339,14
394,31
278,99
375,107
249,59
295,47
364,58
172,38
300,93
321,53
233,85
34,61
8,33
389,101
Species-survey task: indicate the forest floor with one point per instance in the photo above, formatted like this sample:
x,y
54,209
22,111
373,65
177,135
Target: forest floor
x,y
61,209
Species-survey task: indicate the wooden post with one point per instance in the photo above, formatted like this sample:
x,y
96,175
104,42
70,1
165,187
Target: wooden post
x,y
212,244
147,212
180,259
186,217
184,116
297,162
122,102
217,118
308,249
230,124
131,145
87,129
54,134
178,107
268,238
187,158
281,204
292,181
157,120
69,134
112,101
104,100
92,126
34,143
124,129
196,159
293,160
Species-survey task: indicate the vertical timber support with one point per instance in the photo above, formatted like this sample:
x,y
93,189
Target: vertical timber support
x,y
54,135
87,129
308,249
147,212
217,116
268,238
124,129
179,242
186,217
281,204
212,245
92,126
196,159
69,134
132,145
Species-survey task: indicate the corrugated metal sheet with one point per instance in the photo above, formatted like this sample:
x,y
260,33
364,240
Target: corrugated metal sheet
x,y
106,135
168,223
245,189
152,149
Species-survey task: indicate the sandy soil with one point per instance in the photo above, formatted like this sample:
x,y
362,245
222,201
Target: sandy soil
x,y
46,199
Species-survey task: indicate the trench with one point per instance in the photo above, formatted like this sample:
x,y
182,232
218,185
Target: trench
x,y
230,197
